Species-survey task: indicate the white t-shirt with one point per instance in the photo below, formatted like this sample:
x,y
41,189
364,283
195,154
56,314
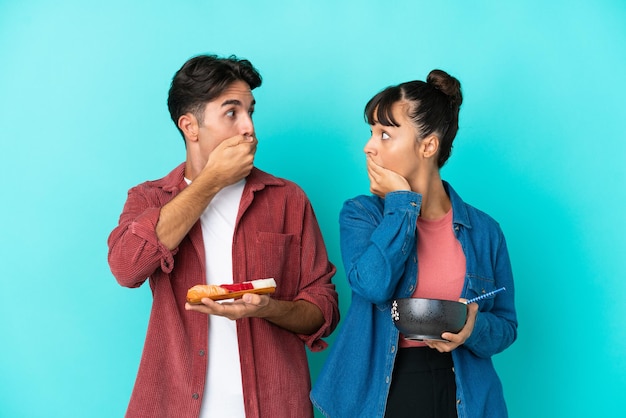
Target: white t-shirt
x,y
223,392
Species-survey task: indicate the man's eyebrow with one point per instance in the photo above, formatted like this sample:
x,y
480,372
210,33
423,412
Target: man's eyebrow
x,y
235,102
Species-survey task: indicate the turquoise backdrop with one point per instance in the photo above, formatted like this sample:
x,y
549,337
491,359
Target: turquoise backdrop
x,y
541,147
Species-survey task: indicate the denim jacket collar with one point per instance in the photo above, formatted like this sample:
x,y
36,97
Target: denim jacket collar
x,y
459,210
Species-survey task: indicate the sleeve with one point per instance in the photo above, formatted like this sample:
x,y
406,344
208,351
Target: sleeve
x,y
375,246
134,249
317,288
496,324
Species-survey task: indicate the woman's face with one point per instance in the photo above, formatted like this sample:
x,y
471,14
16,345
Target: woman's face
x,y
395,148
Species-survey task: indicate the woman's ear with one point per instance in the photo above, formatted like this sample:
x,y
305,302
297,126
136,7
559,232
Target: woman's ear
x,y
188,124
430,146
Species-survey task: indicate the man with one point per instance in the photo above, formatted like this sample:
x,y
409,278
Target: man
x,y
217,219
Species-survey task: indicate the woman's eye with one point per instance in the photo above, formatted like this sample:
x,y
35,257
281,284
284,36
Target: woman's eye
x,y
384,135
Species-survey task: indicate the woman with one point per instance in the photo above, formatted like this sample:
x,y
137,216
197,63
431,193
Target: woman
x,y
414,219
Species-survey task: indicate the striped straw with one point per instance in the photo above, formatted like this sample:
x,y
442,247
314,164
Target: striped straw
x,y
486,295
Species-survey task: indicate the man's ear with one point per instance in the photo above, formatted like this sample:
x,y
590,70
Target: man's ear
x,y
430,145
188,124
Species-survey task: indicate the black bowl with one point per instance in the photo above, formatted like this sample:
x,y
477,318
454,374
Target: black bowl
x,y
426,319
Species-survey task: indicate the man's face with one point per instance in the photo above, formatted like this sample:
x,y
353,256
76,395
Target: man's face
x,y
228,115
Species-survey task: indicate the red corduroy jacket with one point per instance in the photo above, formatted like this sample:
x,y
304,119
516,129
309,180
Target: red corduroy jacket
x,y
276,235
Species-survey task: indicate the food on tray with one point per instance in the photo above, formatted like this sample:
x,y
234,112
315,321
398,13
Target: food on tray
x,y
229,291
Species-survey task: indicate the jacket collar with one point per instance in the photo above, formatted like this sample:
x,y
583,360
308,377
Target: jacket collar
x,y
258,179
174,182
460,215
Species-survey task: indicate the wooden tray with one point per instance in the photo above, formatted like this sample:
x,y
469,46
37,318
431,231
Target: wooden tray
x,y
239,294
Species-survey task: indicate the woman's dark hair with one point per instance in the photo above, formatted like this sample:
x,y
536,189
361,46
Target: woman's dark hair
x,y
202,79
433,107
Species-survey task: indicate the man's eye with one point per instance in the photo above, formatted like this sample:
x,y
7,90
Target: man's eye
x,y
230,113
384,135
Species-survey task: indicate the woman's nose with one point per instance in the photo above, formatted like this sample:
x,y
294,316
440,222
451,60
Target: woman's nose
x,y
370,147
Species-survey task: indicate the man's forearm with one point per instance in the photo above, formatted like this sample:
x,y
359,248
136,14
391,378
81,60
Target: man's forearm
x,y
301,317
181,213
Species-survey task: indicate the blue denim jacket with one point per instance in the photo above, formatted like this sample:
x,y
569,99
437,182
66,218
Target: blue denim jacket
x,y
379,251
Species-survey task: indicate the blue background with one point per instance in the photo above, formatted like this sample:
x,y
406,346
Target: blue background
x,y
541,148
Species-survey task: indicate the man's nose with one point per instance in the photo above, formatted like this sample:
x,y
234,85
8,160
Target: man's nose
x,y
247,126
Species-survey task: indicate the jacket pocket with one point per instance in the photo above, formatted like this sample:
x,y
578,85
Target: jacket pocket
x,y
278,256
478,286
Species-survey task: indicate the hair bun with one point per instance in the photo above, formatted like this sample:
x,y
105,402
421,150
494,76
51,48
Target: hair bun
x,y
448,85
